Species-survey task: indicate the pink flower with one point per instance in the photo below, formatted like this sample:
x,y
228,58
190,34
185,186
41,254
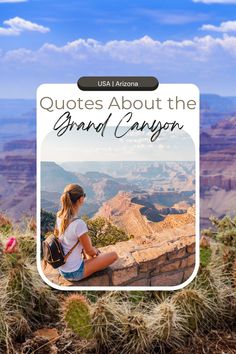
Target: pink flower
x,y
11,245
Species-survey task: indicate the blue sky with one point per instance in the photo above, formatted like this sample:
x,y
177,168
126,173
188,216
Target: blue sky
x,y
190,41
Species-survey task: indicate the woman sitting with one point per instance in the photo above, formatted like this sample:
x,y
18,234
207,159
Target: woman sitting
x,y
70,228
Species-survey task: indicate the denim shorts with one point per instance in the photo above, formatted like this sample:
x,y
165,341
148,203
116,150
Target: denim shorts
x,y
76,275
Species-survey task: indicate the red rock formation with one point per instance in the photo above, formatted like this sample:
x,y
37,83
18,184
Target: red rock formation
x,y
124,212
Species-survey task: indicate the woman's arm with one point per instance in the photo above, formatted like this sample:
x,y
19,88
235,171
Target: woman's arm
x,y
86,243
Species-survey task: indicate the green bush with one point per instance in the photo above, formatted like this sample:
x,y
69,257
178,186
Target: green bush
x,y
48,221
104,233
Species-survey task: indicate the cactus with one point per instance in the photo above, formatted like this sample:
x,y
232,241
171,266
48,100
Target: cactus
x,y
119,327
167,325
105,320
22,290
135,336
199,308
76,314
18,284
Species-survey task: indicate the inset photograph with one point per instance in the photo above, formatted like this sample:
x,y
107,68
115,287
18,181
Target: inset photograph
x,y
117,212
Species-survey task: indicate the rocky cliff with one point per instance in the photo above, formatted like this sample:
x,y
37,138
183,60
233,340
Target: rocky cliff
x,y
218,163
18,179
148,213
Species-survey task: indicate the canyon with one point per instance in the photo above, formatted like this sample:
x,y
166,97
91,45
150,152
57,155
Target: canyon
x,y
218,177
144,214
140,178
218,151
18,179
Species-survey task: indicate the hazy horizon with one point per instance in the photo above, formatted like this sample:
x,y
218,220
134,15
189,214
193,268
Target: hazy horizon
x,y
135,146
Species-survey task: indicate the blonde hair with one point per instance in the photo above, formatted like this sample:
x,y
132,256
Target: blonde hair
x,y
69,197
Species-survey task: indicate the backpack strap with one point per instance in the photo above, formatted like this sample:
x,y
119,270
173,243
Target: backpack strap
x,y
77,242
71,250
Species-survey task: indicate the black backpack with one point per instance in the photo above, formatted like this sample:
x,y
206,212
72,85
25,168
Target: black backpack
x,y
53,252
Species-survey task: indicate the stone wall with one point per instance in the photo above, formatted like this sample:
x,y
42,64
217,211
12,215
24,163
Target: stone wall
x,y
166,263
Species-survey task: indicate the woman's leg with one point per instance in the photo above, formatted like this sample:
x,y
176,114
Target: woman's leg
x,y
98,263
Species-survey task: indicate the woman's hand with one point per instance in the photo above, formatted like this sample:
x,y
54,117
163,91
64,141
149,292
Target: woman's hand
x,y
86,243
97,252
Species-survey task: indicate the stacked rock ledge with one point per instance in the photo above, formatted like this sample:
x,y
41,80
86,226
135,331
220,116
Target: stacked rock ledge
x,y
166,263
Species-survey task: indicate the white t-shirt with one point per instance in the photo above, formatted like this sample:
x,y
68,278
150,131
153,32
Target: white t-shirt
x,y
75,229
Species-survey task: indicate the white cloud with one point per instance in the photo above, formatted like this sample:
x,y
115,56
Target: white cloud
x,y
21,55
228,26
139,51
216,1
205,60
143,50
18,25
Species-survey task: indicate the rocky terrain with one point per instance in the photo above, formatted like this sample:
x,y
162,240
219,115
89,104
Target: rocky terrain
x,y
139,177
218,177
18,179
215,108
146,214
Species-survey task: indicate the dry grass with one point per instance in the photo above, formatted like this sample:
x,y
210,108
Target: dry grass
x,y
214,342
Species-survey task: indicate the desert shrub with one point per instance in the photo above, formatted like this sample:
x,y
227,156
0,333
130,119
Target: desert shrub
x,y
48,221
32,226
104,233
